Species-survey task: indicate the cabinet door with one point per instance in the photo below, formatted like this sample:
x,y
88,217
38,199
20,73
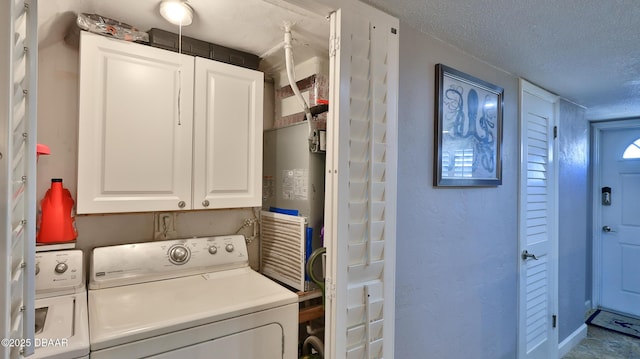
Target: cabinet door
x,y
227,136
135,127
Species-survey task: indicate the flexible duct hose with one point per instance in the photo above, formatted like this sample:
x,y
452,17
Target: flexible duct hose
x,y
315,343
312,259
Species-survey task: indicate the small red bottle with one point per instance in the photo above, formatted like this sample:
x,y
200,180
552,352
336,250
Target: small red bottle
x,y
57,223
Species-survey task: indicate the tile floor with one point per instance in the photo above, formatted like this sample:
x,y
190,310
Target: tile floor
x,y
605,344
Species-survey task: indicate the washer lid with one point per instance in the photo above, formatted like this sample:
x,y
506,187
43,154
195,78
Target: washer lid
x,y
125,314
54,317
62,327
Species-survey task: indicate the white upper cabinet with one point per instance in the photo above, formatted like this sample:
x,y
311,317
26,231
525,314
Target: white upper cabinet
x,y
135,127
227,136
136,149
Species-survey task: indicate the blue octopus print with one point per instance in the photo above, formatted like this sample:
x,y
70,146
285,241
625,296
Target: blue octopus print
x,y
471,131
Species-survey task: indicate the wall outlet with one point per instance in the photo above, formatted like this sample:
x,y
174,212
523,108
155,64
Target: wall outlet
x,y
164,226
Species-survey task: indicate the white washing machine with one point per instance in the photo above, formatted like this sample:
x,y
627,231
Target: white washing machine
x,y
62,325
191,298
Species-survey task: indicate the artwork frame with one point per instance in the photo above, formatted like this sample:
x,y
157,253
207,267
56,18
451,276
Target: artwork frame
x,y
468,130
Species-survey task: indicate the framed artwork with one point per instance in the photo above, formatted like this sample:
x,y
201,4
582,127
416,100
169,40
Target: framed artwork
x,y
468,130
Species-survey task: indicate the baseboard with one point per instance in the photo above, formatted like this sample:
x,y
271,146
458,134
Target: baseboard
x,y
572,340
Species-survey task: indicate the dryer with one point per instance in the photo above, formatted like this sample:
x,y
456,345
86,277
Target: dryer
x,y
188,298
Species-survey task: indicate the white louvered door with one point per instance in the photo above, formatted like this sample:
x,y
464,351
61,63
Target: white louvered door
x,y
18,78
360,214
537,327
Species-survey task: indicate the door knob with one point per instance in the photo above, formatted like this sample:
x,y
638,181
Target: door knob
x,y
526,255
607,229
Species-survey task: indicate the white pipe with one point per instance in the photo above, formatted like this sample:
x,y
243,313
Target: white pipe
x,y
273,50
288,54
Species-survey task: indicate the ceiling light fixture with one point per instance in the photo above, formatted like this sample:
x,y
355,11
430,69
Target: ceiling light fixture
x,y
177,12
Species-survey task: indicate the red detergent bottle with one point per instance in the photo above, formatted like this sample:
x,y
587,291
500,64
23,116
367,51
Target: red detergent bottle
x,y
57,223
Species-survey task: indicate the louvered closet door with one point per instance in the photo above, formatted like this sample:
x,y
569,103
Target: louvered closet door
x,y
18,64
538,337
361,184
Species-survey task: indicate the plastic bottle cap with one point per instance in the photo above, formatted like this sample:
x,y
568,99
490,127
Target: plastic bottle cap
x,y
56,180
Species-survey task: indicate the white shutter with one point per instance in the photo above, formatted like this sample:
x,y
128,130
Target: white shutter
x,y
361,183
538,230
18,78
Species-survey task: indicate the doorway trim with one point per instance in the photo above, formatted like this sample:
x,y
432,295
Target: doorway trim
x,y
597,128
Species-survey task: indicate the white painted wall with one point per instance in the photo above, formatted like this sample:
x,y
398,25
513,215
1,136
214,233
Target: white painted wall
x,y
456,277
58,128
574,275
456,281
58,115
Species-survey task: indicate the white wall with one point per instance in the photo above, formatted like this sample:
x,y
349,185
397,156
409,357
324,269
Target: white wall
x,y
58,128
456,278
574,233
58,115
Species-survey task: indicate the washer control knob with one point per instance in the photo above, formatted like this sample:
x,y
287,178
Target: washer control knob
x,y
179,254
213,250
229,247
61,268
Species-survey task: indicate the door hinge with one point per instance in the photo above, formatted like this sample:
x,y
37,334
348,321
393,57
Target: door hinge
x,y
554,319
334,45
555,131
330,289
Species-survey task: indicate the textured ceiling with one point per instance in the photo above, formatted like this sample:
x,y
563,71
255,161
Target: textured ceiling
x,y
587,51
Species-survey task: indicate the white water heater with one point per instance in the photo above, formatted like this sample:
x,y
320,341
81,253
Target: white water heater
x,y
294,177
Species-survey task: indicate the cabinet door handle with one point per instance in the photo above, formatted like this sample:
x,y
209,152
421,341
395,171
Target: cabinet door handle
x,y
205,203
179,98
181,204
